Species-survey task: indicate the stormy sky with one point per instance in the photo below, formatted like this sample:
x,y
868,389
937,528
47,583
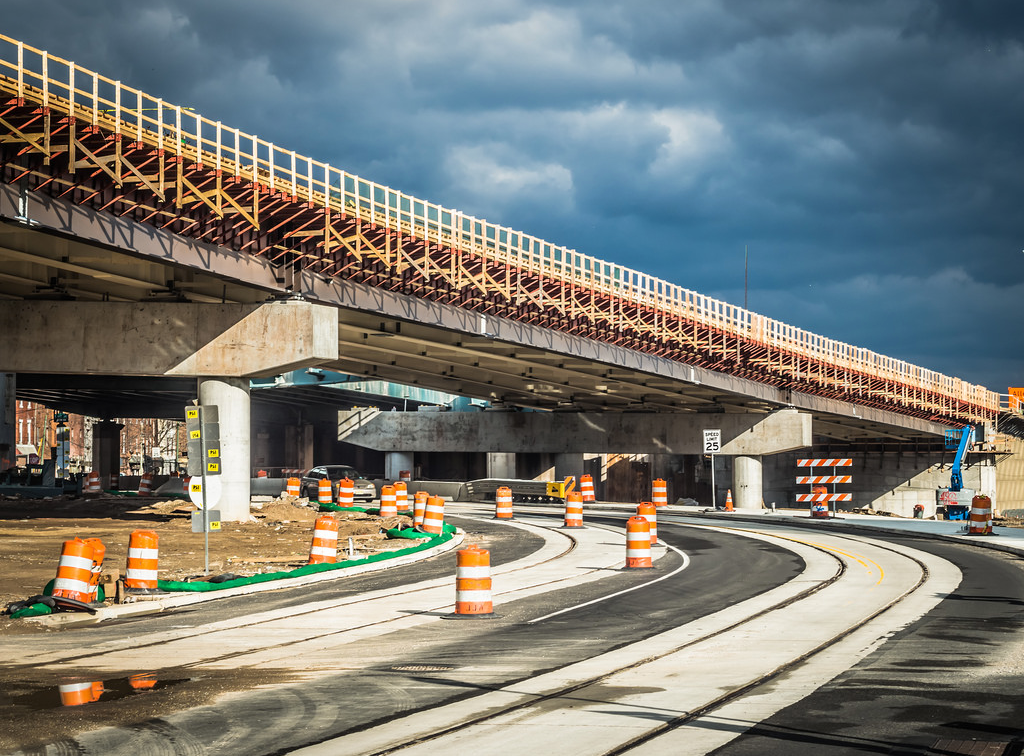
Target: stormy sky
x,y
868,155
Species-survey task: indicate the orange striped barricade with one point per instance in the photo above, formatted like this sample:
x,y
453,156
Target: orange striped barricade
x,y
324,549
388,506
728,500
323,492
473,583
659,493
74,571
587,487
292,487
419,508
573,510
92,484
346,492
649,512
143,558
981,516
638,543
98,552
503,503
433,515
146,484
402,497
76,694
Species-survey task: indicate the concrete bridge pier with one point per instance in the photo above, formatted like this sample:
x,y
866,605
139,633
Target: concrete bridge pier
x,y
501,465
106,449
395,462
231,396
8,413
567,464
747,487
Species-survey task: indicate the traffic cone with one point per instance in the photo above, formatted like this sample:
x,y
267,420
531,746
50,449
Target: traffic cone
x,y
728,500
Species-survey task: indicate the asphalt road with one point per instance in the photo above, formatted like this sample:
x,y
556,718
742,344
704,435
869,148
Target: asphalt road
x,y
948,678
949,683
385,675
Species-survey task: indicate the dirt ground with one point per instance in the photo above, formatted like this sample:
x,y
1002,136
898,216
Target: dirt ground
x,y
32,533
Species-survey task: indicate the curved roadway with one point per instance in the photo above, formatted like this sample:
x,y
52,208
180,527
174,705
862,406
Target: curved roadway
x,y
694,656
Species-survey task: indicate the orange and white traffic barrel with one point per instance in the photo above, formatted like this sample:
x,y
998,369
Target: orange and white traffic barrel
x,y
346,492
419,508
503,503
74,571
324,549
981,515
404,475
143,558
649,512
388,506
76,694
659,493
402,497
587,487
92,484
98,552
819,504
574,510
293,487
473,583
728,500
433,515
115,481
146,484
638,543
323,492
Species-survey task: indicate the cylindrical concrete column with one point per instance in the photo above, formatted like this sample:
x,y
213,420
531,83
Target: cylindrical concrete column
x,y
8,421
395,462
106,449
231,395
501,465
746,482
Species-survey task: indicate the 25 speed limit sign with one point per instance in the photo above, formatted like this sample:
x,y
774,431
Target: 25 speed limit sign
x,y
712,440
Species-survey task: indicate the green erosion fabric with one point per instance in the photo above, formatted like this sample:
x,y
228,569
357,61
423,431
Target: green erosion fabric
x,y
36,610
311,569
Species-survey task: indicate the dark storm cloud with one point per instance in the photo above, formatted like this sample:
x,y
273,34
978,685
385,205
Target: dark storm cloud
x,y
866,153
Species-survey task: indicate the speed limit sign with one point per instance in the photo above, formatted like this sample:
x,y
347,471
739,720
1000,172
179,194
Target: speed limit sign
x,y
712,440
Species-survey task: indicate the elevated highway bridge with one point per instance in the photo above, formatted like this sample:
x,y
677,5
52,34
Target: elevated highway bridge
x,y
138,238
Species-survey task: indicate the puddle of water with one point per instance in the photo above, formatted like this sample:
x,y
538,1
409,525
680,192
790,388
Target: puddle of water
x,y
79,692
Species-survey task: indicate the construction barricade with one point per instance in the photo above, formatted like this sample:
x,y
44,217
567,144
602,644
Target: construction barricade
x,y
143,558
346,492
293,487
649,512
419,508
574,510
323,492
587,487
433,515
324,548
503,503
659,493
981,516
388,506
638,543
402,497
146,484
74,571
473,583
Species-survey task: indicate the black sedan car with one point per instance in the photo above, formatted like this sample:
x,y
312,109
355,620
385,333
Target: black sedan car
x,y
363,489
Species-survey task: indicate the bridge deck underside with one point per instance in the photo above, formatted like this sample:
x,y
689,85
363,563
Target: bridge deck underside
x,y
49,151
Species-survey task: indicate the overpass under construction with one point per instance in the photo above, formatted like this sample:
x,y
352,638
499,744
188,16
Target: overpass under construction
x,y
140,239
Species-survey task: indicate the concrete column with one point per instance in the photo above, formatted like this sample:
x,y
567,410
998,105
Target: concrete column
x,y
8,421
231,396
106,449
746,480
395,462
569,464
501,465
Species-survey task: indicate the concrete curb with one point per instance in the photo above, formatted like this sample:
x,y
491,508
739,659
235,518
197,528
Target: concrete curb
x,y
144,605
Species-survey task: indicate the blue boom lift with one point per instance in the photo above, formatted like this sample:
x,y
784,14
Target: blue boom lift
x,y
956,479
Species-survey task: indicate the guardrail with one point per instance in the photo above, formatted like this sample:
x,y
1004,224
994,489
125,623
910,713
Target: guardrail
x,y
131,113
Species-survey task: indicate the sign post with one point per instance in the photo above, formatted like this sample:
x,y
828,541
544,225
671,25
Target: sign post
x,y
203,428
712,444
